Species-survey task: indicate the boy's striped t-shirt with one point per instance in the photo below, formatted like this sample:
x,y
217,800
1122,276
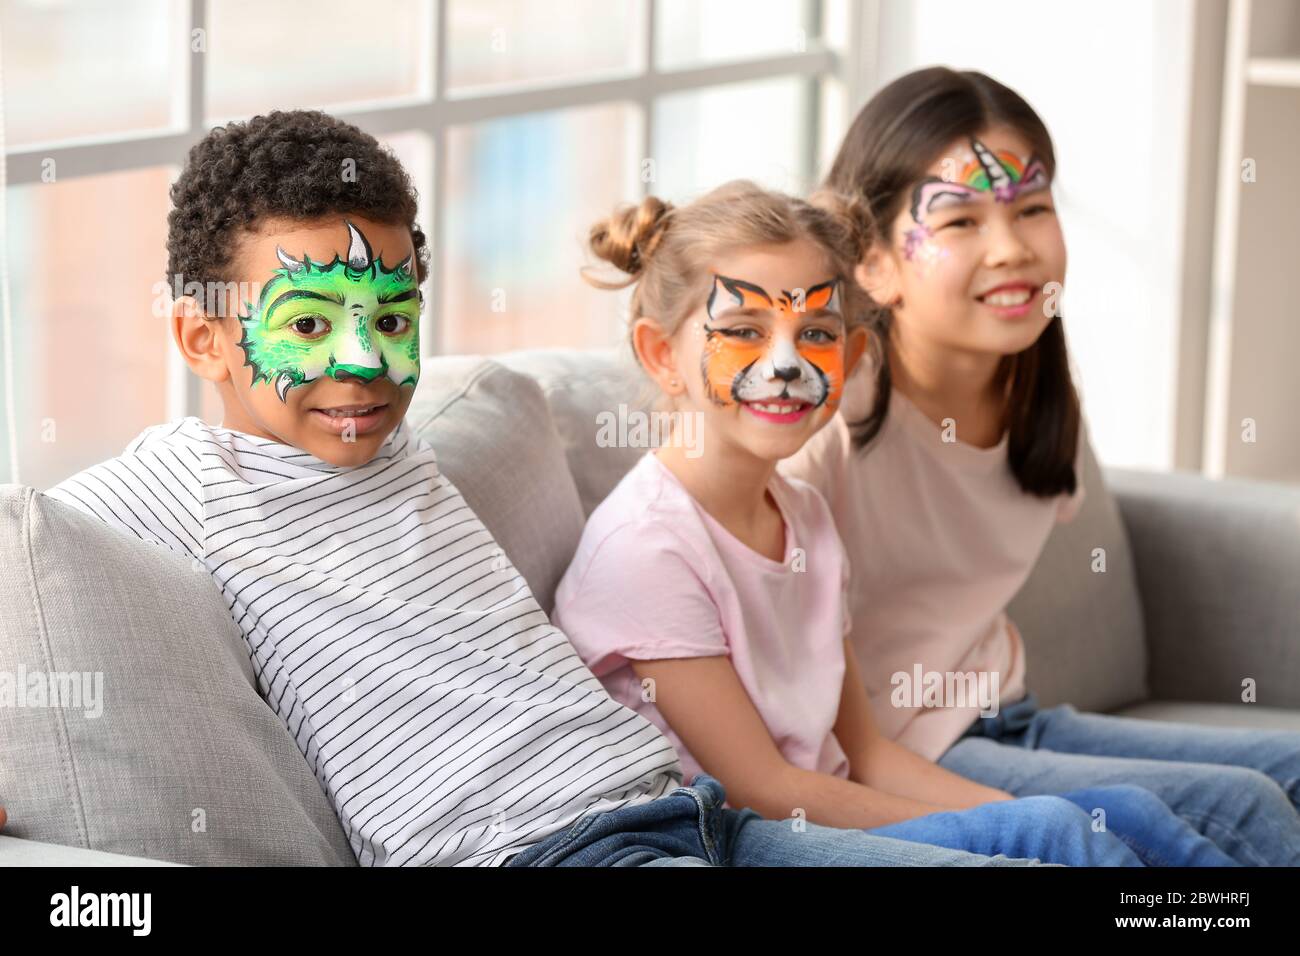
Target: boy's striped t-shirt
x,y
446,719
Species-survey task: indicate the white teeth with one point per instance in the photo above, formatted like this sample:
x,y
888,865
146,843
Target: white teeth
x,y
772,409
1018,297
349,412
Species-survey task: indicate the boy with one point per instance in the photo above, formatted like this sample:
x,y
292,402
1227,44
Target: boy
x,y
446,719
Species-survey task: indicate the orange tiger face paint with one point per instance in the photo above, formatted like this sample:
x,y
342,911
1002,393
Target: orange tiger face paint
x,y
784,364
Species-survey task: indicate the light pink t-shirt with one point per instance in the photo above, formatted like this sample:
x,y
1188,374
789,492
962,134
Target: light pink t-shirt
x,y
655,577
940,537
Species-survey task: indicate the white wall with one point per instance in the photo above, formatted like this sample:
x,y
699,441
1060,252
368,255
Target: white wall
x,y
1111,80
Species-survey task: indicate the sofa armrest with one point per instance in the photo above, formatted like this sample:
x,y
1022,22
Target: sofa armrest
x,y
18,852
1218,564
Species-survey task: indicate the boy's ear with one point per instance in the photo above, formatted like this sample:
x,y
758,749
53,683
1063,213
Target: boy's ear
x,y
199,339
877,273
654,350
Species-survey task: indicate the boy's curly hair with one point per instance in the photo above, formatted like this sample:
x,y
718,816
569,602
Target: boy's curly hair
x,y
286,163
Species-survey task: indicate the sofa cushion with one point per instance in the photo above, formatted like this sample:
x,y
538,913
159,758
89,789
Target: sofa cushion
x,y
494,439
1083,629
16,852
1217,564
1248,716
172,754
586,389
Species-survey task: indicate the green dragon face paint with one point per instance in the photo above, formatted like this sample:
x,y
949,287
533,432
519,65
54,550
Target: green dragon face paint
x,y
351,319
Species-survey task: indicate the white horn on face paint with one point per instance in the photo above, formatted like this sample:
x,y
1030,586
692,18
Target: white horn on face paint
x,y
358,249
283,382
998,177
288,261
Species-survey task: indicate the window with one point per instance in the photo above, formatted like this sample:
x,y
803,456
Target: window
x,y
520,121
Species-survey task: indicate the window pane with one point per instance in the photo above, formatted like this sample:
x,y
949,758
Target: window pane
x,y
690,33
86,263
522,194
833,109
415,151
493,42
330,53
81,68
837,23
757,131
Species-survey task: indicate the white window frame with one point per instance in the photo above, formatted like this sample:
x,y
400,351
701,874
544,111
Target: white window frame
x,y
432,111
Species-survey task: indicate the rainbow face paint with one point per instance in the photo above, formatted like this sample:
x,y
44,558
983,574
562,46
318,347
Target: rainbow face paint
x,y
786,362
364,321
1003,174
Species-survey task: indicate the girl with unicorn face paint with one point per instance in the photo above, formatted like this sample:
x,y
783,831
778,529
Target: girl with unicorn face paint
x,y
960,447
707,591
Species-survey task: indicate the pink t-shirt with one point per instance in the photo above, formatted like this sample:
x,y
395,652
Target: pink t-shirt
x,y
940,537
657,577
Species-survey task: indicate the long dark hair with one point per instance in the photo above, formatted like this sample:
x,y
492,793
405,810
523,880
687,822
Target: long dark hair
x,y
889,147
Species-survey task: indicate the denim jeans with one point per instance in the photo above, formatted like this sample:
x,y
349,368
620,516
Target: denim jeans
x,y
1096,826
690,827
1239,788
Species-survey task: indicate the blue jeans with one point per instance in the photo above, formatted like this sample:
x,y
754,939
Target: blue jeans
x,y
1133,828
690,827
1239,788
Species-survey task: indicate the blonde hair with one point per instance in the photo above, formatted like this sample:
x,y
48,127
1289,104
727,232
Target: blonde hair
x,y
665,250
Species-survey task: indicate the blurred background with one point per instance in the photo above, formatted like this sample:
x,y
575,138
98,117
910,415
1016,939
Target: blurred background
x,y
1176,124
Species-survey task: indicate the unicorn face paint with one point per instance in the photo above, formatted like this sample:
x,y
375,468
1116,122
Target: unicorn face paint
x,y
1002,173
351,319
974,249
762,352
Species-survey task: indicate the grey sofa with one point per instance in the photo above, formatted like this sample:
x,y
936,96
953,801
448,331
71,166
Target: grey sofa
x,y
186,764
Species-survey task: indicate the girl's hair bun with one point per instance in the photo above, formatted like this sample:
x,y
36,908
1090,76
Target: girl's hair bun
x,y
854,213
627,239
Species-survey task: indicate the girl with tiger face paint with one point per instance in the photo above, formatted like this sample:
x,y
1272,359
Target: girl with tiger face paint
x,y
745,315
721,581
760,359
